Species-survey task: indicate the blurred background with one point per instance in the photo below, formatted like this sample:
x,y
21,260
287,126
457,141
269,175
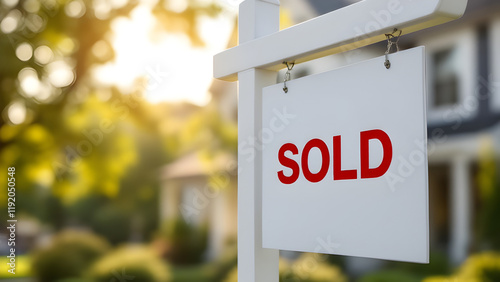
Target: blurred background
x,y
125,148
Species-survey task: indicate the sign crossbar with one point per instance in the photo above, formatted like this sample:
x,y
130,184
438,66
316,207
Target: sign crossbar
x,y
352,27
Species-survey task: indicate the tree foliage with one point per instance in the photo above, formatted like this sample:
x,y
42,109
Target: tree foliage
x,y
66,135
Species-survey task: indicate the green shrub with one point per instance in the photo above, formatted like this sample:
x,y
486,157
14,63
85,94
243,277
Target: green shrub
x,y
224,263
488,184
68,256
130,263
314,268
483,267
308,268
23,267
438,265
185,242
390,276
113,223
214,271
232,276
437,279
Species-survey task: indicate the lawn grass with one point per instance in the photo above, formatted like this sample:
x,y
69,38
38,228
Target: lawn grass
x,y
201,273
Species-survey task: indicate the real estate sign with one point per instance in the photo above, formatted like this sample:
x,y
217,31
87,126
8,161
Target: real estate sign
x,y
348,176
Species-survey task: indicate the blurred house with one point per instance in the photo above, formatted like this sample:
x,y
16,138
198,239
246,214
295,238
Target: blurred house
x,y
463,63
202,192
463,75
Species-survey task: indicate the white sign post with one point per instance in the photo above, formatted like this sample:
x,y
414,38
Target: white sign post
x,y
261,52
257,19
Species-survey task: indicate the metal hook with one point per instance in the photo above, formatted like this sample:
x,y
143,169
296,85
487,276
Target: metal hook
x,y
289,67
389,37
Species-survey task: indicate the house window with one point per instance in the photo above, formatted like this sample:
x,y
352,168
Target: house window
x,y
451,74
193,204
445,83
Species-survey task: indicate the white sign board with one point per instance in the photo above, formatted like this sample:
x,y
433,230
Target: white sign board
x,y
345,172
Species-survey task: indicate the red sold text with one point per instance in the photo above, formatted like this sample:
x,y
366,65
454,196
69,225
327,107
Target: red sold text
x,y
338,174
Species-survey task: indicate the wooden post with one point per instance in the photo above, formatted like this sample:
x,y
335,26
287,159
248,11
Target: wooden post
x,y
255,264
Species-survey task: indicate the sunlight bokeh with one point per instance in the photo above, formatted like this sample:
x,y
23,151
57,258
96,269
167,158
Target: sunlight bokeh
x,y
171,68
